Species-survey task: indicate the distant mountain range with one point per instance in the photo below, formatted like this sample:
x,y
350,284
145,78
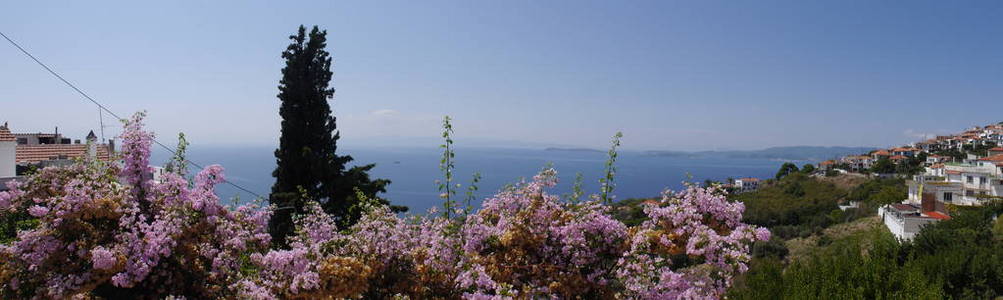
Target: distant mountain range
x,y
813,153
574,149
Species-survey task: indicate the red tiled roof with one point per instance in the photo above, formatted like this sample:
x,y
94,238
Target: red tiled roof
x,y
826,163
994,158
5,135
953,172
52,135
996,149
39,153
901,149
898,157
937,215
904,207
882,152
937,166
749,179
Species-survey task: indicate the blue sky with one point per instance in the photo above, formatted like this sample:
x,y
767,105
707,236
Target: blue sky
x,y
671,75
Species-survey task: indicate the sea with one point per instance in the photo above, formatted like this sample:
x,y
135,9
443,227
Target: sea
x,y
413,171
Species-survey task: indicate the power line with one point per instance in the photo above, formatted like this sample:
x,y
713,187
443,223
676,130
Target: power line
x,y
169,149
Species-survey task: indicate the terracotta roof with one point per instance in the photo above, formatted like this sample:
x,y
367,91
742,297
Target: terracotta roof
x,y
937,166
901,149
904,207
953,172
937,215
39,153
5,135
749,179
52,135
994,158
898,157
882,152
826,163
996,149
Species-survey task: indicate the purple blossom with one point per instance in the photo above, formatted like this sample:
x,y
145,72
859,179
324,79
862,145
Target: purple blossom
x,y
103,259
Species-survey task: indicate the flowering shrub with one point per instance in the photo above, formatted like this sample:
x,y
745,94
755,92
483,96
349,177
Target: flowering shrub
x,y
525,242
109,230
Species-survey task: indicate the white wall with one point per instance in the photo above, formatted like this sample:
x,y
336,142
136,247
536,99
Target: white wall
x,y
7,156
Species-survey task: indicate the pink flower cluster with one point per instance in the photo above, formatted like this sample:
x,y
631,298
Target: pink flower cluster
x,y
109,230
691,247
97,235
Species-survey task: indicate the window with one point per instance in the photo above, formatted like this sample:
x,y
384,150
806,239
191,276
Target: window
x,y
970,193
971,179
22,141
982,180
948,197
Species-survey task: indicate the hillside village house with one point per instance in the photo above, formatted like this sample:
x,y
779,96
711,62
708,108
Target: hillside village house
x,y
20,151
906,220
878,154
746,184
858,163
903,151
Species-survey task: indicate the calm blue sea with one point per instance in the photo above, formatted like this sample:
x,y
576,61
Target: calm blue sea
x,y
414,170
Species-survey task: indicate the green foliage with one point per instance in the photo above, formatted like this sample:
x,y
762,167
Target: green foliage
x,y
576,189
11,223
796,205
446,165
178,164
471,189
960,258
883,166
864,266
786,169
979,149
877,192
606,183
774,247
630,211
764,280
306,157
808,169
912,165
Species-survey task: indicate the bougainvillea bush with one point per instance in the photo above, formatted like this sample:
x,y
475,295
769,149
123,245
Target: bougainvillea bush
x,y
109,230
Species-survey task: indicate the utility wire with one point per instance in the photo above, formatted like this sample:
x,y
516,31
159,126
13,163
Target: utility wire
x,y
169,149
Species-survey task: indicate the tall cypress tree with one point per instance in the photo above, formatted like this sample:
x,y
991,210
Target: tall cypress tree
x,y
308,167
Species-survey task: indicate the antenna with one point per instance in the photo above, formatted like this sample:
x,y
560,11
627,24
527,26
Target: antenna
x,y
101,119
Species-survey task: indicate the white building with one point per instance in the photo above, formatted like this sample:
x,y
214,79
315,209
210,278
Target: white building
x,y
747,184
968,182
906,220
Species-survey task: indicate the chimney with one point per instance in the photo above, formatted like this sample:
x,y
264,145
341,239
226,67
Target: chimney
x,y
111,146
929,203
8,153
92,146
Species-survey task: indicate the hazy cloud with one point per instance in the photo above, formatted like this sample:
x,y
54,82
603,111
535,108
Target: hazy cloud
x,y
384,112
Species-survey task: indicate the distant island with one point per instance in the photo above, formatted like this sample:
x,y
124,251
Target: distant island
x,y
574,150
813,153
